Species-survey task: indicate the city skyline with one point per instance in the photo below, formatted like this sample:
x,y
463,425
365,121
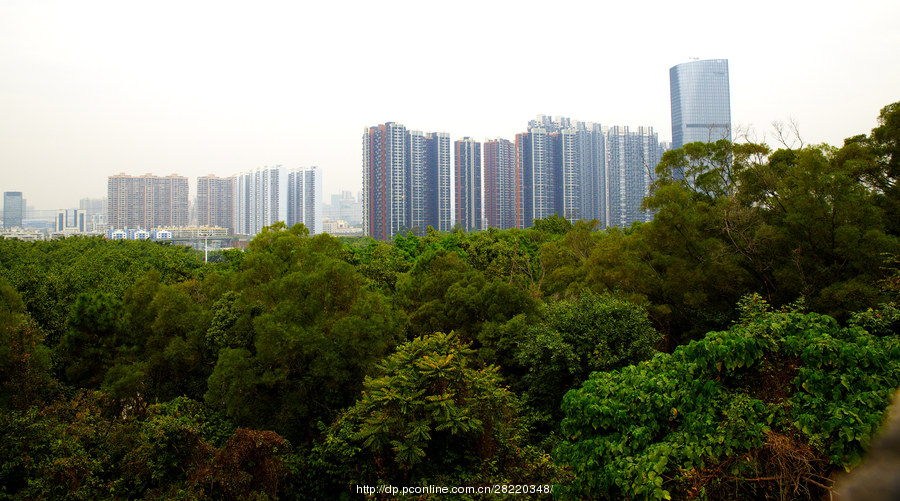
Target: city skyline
x,y
90,88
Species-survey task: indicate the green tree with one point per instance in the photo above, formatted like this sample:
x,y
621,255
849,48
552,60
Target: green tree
x,y
430,413
314,332
577,337
24,359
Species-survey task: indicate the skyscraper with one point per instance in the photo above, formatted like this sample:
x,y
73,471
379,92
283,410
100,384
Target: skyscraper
x,y
385,173
567,174
437,179
591,151
406,180
630,158
417,180
562,164
701,102
260,199
13,209
215,202
501,184
147,201
468,183
304,198
534,155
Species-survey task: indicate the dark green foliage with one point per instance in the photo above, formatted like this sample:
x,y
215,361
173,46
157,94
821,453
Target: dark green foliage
x,y
554,224
443,293
50,275
88,346
294,347
133,370
24,359
430,413
577,337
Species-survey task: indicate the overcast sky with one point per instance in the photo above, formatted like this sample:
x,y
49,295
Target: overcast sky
x,y
94,88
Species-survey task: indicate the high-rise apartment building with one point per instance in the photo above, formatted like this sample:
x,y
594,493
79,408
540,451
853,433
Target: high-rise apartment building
x,y
304,198
701,102
417,182
567,174
631,158
562,164
259,199
147,201
215,202
13,209
502,184
437,193
534,155
590,144
467,157
385,166
406,180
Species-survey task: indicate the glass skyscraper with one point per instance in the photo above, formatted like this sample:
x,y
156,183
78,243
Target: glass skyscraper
x,y
701,102
13,209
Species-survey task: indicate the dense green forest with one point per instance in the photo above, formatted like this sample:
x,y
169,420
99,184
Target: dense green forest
x,y
743,345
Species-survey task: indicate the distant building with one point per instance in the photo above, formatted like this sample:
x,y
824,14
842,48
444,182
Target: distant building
x,y
343,207
70,222
568,182
260,199
215,202
467,156
501,184
701,102
304,198
406,180
22,234
94,214
385,167
590,144
147,201
13,209
631,158
340,228
534,154
438,212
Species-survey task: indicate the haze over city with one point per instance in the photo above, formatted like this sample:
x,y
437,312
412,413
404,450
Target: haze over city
x,y
92,89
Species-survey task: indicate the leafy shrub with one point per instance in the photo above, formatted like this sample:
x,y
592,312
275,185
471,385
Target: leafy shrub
x,y
714,417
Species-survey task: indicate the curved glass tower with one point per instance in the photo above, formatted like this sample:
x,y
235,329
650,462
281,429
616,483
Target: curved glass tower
x,y
701,102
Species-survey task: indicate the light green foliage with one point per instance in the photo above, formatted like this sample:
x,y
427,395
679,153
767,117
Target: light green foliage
x,y
882,321
706,417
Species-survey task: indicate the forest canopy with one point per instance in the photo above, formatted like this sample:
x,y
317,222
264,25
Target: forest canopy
x,y
754,319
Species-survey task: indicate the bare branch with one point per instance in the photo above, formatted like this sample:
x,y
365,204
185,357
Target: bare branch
x,y
788,135
795,130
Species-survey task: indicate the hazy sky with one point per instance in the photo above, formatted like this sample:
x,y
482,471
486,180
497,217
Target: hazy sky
x,y
94,88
